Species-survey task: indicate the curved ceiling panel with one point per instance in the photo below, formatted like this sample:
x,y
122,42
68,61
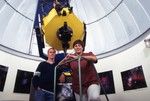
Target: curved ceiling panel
x,y
17,19
111,25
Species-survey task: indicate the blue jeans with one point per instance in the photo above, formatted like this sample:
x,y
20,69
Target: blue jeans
x,y
42,95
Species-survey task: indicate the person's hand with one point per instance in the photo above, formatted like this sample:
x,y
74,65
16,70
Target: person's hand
x,y
64,60
71,56
67,58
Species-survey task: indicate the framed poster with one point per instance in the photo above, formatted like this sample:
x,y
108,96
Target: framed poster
x,y
133,79
23,82
3,74
106,82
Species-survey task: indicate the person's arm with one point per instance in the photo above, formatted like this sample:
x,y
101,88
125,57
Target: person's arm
x,y
65,60
35,79
91,57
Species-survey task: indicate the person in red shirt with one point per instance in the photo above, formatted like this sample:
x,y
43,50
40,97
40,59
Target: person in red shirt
x,y
89,77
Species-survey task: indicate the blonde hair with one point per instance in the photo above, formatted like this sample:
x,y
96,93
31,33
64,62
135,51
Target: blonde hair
x,y
52,49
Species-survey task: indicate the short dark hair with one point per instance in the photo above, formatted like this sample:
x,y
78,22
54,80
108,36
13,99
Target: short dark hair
x,y
78,42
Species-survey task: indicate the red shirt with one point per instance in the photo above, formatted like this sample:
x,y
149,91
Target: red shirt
x,y
88,74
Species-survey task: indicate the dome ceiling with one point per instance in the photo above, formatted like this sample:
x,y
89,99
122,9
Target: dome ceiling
x,y
111,25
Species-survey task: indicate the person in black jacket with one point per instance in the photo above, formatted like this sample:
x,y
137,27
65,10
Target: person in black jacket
x,y
43,80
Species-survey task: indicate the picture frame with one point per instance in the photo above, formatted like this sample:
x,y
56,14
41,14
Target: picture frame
x,y
23,82
3,74
133,78
106,82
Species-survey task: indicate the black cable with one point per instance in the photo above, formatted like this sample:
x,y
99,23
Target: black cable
x,y
103,89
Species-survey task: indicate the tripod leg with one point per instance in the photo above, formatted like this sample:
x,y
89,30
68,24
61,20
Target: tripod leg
x,y
104,91
80,81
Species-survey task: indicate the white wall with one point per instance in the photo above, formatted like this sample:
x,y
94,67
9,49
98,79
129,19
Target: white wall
x,y
13,63
133,57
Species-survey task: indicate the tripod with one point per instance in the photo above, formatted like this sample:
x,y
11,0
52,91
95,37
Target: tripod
x,y
80,83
